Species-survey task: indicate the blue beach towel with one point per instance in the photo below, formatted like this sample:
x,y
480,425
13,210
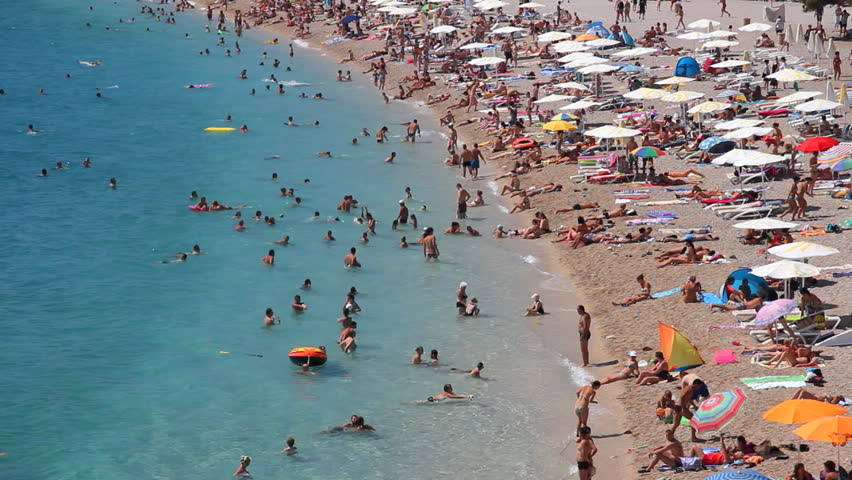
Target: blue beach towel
x,y
711,299
666,293
661,214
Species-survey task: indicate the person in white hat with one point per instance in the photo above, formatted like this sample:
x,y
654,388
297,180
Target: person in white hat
x,y
537,307
630,369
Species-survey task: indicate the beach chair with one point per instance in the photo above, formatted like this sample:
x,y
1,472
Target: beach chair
x,y
839,339
755,212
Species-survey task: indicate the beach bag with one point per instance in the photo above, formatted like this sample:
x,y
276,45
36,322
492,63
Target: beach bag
x,y
690,464
833,228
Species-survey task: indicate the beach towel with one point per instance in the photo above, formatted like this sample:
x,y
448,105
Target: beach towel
x,y
632,197
765,383
661,214
724,356
711,298
839,275
660,203
632,190
666,293
648,221
335,40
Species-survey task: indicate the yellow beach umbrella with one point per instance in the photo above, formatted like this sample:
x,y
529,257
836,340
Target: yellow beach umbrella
x,y
708,107
559,126
645,93
790,75
675,80
682,96
843,97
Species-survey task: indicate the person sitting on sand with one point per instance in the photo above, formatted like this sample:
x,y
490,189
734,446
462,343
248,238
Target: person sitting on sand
x,y
659,372
631,369
644,293
669,453
739,302
537,308
799,473
690,290
524,204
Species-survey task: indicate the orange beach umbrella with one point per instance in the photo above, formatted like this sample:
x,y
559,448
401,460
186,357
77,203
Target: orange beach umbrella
x,y
801,411
834,429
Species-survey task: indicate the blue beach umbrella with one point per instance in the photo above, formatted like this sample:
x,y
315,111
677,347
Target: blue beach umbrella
x,y
349,18
738,474
717,145
630,68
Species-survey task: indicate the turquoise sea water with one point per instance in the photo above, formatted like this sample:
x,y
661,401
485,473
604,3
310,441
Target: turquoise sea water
x,y
111,362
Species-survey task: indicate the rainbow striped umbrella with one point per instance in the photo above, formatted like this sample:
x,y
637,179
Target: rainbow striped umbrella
x,y
842,165
738,474
717,410
648,152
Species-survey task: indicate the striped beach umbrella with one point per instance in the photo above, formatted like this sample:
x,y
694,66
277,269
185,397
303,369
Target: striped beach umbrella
x,y
648,152
717,410
842,165
738,474
835,154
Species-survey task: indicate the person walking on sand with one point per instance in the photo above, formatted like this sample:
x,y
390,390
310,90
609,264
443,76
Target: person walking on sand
x,y
836,61
585,397
678,9
584,328
724,8
586,450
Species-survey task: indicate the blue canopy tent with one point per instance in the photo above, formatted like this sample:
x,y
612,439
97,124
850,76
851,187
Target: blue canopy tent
x,y
687,67
755,284
597,28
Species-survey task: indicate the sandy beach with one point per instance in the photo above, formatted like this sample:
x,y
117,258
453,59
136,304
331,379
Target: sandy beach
x,y
603,274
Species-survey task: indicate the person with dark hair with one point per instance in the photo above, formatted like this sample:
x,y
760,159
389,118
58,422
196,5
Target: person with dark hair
x,y
586,451
585,397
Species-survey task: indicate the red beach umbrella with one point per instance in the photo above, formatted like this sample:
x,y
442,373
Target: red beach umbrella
x,y
817,144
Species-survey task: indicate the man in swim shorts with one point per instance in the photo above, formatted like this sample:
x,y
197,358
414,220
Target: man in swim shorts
x,y
402,216
669,453
466,159
350,260
461,199
584,328
412,130
586,451
585,397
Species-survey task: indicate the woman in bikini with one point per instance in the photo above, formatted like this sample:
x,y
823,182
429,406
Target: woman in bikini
x,y
644,293
631,369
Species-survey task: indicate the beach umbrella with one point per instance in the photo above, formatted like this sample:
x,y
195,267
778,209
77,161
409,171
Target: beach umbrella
x,y
841,165
682,96
788,34
477,46
830,94
835,153
765,224
401,11
799,34
747,132
843,96
427,7
738,474
759,161
648,152
349,18
772,311
755,27
721,43
798,250
790,75
611,131
835,429
569,46
531,5
730,63
576,56
693,36
711,142
490,5
677,350
818,105
817,144
587,60
562,116
554,36
443,29
717,410
675,80
819,46
602,42
634,52
704,23
573,86
586,37
553,98
486,61
792,412
645,93
730,93
738,123
785,269
798,97
599,69
506,30
722,34
631,69
579,105
735,155
559,126
708,107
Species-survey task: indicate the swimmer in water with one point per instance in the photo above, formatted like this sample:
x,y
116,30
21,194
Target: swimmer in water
x,y
408,195
244,129
270,318
417,358
291,449
242,470
390,158
285,240
291,123
306,285
365,132
59,166
269,259
324,154
364,238
403,243
43,173
350,260
448,393
240,226
196,250
473,373
181,258
354,141
112,182
87,163
433,357
329,237
298,305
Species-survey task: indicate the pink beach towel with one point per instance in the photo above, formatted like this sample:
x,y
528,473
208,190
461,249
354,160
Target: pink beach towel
x,y
724,356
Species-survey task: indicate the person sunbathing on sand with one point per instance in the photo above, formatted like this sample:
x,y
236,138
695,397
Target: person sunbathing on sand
x,y
631,368
659,372
644,293
619,211
689,255
579,206
801,394
684,173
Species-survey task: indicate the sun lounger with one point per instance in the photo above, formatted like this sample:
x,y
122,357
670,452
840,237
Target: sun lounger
x,y
840,339
755,212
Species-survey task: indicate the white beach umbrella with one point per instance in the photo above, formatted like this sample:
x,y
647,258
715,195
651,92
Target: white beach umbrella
x,y
575,56
747,132
818,105
569,46
731,64
579,105
586,61
722,33
506,30
490,5
765,224
755,27
735,156
819,46
477,46
675,80
682,96
790,75
719,43
738,123
799,34
797,97
531,5
634,52
704,23
611,131
554,36
645,93
603,68
708,107
786,269
486,61
829,50
759,161
693,36
573,86
402,11
602,42
553,98
799,250
443,29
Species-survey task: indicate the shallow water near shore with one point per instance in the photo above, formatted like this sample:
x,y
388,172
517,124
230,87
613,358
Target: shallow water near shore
x,y
113,364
